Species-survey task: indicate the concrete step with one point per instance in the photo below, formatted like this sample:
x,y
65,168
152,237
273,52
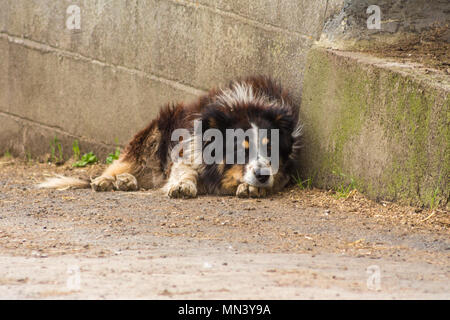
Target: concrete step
x,y
379,124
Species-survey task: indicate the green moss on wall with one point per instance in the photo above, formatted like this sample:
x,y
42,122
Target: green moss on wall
x,y
387,131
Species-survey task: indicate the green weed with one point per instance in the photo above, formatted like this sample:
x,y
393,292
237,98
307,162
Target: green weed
x,y
113,156
87,158
56,151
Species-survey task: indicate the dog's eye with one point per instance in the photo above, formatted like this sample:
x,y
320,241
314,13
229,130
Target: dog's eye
x,y
245,144
265,141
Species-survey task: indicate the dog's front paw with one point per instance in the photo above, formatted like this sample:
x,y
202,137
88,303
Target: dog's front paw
x,y
183,189
103,183
245,190
126,182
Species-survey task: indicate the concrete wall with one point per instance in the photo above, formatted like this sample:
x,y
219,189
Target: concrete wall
x,y
102,83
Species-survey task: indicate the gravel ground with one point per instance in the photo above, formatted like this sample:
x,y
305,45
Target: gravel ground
x,y
299,244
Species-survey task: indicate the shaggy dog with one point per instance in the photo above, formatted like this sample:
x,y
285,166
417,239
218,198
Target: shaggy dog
x,y
163,155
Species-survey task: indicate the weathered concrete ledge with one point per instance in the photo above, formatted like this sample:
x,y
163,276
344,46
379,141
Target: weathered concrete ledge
x,y
402,21
381,123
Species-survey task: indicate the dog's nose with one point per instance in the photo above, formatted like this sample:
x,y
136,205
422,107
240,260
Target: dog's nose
x,y
261,177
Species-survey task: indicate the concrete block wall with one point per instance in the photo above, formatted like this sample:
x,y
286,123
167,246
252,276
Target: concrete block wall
x,y
103,82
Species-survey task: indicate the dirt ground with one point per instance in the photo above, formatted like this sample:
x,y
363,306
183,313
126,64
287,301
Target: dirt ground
x,y
299,244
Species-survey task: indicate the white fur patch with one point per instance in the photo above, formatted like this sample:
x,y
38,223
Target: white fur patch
x,y
259,162
62,182
250,178
182,174
298,130
243,93
240,93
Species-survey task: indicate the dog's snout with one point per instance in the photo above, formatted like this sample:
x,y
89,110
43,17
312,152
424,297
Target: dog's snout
x,y
259,174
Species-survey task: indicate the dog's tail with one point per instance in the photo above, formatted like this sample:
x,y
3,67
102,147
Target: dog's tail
x,y
62,182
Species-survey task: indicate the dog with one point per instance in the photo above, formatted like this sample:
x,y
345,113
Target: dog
x,y
263,122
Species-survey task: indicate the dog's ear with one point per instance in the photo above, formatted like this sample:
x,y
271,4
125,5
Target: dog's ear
x,y
215,116
285,121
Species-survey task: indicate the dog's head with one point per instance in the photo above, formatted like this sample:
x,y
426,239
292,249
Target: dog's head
x,y
258,139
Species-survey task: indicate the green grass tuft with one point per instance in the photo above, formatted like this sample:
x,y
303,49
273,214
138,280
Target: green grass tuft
x,y
303,184
76,150
347,185
56,151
